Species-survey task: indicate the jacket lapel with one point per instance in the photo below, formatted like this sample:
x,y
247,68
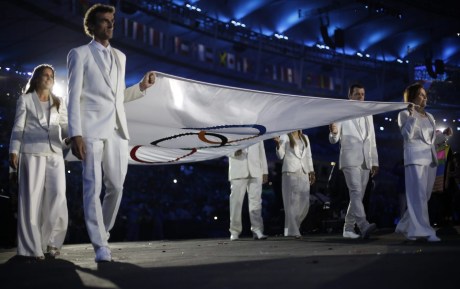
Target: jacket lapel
x,y
118,66
358,129
100,64
433,134
297,149
368,126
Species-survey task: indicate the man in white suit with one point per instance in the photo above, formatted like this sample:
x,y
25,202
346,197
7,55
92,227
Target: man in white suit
x,y
247,172
358,160
97,122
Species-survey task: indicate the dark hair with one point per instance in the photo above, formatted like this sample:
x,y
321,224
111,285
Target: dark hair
x,y
411,92
32,84
292,141
91,13
353,86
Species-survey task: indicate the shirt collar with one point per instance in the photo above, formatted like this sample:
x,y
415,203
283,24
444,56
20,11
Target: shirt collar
x,y
100,47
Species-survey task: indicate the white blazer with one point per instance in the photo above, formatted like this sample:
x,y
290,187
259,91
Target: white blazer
x,y
96,106
293,159
355,147
31,132
251,163
419,138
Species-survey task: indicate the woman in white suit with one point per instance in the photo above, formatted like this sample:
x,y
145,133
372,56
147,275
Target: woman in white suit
x,y
297,176
36,152
419,132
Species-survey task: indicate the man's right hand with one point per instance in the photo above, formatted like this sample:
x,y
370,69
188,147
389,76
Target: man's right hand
x,y
333,128
78,147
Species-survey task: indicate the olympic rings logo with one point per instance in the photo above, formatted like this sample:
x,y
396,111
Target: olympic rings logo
x,y
202,135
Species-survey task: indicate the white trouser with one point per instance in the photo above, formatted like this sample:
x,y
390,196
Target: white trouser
x,y
42,204
419,183
110,156
296,201
238,189
356,179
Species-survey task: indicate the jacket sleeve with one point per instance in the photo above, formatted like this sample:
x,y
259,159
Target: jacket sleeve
x,y
280,152
63,119
75,75
406,124
18,127
133,92
374,154
63,123
263,158
309,156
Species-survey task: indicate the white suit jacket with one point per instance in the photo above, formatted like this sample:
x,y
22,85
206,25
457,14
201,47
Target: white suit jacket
x,y
419,138
96,106
356,148
31,132
251,163
293,159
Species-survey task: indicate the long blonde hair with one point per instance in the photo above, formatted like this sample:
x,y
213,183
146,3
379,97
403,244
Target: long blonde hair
x,y
292,141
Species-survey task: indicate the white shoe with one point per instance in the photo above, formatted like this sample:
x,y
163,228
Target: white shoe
x,y
233,237
350,235
258,235
433,238
103,254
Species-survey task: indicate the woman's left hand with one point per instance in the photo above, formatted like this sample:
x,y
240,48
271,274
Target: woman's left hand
x,y
311,177
13,161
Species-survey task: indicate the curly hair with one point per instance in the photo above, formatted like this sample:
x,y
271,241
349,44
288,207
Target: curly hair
x,y
91,16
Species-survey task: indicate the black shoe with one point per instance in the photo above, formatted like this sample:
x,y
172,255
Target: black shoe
x,y
366,231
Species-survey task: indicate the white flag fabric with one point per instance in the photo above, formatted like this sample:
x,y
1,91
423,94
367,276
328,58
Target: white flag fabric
x,y
181,120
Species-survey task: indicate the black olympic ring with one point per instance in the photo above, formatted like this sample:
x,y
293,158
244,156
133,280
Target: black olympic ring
x,y
133,151
202,134
223,139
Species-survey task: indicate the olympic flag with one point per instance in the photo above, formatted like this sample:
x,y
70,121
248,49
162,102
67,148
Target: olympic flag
x,y
181,120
